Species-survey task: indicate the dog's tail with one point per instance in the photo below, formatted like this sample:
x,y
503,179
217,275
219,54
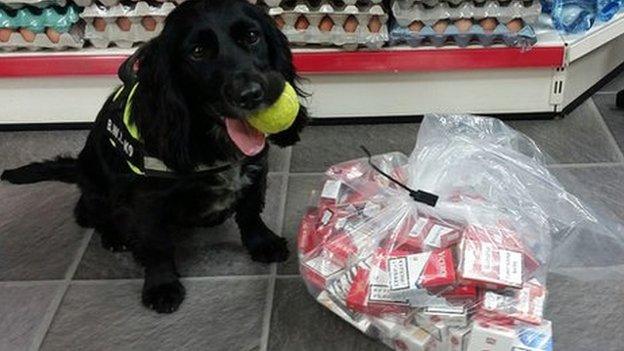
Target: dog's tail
x,y
63,169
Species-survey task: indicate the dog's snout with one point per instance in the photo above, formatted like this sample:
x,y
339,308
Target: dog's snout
x,y
251,96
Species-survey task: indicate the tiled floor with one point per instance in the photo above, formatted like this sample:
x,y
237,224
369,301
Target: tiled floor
x,y
59,290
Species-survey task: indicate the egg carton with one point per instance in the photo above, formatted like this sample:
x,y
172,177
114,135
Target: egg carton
x,y
137,9
407,4
278,3
269,3
105,31
524,37
37,20
110,3
504,13
70,39
336,35
16,4
349,41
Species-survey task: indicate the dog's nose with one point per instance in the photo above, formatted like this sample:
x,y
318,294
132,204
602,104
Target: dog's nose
x,y
251,96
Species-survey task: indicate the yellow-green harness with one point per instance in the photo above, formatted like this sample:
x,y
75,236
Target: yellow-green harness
x,y
125,137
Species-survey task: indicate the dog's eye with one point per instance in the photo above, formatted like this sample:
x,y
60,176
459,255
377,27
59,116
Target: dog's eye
x,y
252,37
198,52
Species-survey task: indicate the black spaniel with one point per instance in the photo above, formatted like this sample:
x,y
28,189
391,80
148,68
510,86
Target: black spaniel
x,y
171,148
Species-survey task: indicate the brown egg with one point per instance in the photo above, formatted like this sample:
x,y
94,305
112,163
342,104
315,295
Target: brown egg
x,y
514,25
99,24
29,36
279,22
416,26
326,24
351,24
488,24
124,23
440,26
302,23
53,35
149,23
374,25
5,34
463,24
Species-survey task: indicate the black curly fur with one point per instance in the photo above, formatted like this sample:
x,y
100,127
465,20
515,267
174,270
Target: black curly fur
x,y
177,108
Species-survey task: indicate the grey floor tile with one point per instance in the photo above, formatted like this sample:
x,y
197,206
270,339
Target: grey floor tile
x,y
587,314
323,146
18,148
216,315
615,85
598,187
299,189
300,323
613,116
279,159
578,138
22,309
38,236
201,252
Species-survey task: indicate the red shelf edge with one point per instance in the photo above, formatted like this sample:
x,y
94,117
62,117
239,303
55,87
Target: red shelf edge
x,y
324,62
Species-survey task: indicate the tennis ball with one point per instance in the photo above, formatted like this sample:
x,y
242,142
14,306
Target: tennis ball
x,y
280,115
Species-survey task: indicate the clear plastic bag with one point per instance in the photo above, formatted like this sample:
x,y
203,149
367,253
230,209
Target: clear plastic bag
x,y
468,273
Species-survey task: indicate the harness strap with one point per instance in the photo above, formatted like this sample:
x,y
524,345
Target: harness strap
x,y
128,140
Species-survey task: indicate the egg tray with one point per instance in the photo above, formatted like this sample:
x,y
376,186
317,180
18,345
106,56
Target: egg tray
x,y
114,35
338,15
16,4
525,37
337,36
137,9
407,4
529,12
71,39
37,20
278,3
110,3
327,7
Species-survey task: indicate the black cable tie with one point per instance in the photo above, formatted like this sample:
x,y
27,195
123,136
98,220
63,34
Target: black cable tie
x,y
418,195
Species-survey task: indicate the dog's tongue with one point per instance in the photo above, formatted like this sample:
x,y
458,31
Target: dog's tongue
x,y
248,139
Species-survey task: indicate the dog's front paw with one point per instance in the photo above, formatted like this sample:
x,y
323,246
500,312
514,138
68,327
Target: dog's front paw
x,y
271,248
164,298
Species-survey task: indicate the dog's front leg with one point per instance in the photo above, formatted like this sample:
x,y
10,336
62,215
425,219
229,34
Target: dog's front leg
x,y
154,249
260,241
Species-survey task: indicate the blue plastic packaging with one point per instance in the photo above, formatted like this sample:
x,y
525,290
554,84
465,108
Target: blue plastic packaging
x,y
574,16
606,9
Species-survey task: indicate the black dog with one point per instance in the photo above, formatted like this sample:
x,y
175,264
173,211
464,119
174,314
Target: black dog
x,y
170,149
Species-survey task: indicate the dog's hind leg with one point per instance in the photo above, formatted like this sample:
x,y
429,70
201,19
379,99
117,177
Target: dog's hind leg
x,y
93,211
260,241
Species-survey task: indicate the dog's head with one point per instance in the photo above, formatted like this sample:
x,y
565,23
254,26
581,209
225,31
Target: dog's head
x,y
214,59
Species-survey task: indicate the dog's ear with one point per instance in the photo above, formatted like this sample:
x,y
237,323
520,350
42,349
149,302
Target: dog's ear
x,y
159,107
281,60
127,72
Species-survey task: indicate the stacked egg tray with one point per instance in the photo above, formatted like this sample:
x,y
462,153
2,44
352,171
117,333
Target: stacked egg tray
x,y
481,22
111,3
406,4
124,25
278,3
34,28
463,32
347,26
16,4
528,11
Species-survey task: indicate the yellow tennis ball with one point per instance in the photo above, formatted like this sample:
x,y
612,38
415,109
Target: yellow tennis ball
x,y
280,115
